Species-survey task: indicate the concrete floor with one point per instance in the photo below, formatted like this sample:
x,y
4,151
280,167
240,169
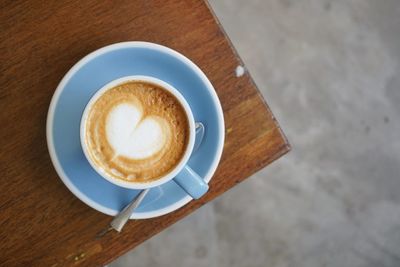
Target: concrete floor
x,y
330,70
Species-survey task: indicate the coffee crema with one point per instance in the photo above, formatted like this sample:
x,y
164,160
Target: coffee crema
x,y
137,132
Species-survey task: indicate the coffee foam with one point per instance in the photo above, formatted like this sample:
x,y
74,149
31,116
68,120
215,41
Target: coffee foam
x,y
136,131
134,137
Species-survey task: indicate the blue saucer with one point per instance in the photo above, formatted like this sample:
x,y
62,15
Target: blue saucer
x,y
96,70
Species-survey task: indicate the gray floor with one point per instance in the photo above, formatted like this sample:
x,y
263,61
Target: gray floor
x,y
330,71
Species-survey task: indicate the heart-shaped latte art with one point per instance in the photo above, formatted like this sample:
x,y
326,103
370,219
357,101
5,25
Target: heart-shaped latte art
x,y
132,136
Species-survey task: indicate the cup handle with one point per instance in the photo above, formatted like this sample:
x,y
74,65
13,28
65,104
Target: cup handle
x,y
191,182
188,179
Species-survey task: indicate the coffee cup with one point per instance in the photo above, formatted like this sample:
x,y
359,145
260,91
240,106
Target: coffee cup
x,y
133,150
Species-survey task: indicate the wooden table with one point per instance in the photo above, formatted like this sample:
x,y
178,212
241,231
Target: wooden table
x,y
41,222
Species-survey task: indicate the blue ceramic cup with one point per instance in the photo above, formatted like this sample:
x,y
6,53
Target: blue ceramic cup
x,y
182,174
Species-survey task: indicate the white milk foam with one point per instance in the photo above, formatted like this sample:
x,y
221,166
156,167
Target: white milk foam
x,y
133,136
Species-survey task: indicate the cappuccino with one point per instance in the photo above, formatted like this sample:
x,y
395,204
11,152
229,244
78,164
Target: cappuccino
x,y
136,131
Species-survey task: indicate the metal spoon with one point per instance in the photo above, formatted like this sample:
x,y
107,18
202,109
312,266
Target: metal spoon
x,y
121,218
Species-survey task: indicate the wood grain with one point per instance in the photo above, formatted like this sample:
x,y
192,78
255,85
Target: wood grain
x,y
41,222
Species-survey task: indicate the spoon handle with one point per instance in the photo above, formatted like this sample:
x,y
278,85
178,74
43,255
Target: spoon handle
x,y
119,221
